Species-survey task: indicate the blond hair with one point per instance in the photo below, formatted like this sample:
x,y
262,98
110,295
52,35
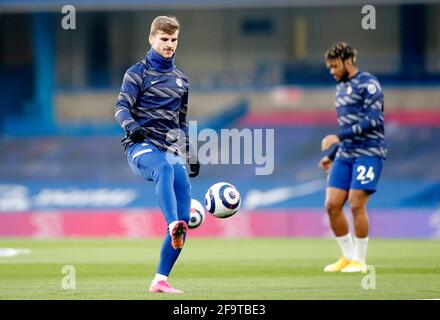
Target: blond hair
x,y
166,24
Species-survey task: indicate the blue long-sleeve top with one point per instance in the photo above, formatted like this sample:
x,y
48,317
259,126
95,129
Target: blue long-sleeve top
x,y
360,109
154,95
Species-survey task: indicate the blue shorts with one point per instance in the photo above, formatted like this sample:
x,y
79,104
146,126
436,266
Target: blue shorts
x,y
360,173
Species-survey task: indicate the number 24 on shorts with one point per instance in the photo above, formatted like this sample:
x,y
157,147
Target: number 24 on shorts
x,y
365,175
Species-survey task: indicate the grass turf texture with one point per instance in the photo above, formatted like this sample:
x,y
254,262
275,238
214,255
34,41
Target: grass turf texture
x,y
218,269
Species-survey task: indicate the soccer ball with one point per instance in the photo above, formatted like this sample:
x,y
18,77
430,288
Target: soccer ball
x,y
222,200
196,214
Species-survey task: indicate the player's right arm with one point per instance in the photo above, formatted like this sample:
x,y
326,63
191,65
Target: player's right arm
x,y
128,95
326,161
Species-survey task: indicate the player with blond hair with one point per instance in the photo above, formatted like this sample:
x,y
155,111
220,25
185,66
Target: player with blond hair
x,y
152,109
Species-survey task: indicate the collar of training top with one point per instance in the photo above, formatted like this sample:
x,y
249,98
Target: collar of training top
x,y
160,63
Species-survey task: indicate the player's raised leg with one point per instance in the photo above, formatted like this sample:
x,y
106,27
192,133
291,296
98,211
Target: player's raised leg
x,y
150,163
164,175
182,190
334,203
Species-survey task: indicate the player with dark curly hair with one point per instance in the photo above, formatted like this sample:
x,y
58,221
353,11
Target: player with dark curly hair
x,y
356,154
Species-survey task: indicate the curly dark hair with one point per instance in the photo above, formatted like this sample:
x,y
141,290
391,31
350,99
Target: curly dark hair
x,y
341,51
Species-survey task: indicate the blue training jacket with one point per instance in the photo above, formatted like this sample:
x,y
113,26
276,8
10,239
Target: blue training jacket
x,y
154,95
360,107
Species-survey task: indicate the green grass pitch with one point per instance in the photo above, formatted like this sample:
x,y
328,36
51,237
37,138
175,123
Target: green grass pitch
x,y
218,269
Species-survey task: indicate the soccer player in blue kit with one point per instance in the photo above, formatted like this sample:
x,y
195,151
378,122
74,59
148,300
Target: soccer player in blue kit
x,y
355,155
152,110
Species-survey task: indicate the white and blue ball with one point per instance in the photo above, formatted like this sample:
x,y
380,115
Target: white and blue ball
x,y
196,214
222,200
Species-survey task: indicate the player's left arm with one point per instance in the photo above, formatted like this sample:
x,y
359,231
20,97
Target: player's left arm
x,y
373,109
183,124
185,143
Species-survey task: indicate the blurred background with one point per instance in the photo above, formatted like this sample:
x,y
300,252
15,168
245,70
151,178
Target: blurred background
x,y
251,64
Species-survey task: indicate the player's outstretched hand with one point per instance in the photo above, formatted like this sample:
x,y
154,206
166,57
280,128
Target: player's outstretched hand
x,y
325,163
138,134
328,141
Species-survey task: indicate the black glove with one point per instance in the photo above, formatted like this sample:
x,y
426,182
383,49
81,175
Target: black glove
x,y
138,134
194,169
194,165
